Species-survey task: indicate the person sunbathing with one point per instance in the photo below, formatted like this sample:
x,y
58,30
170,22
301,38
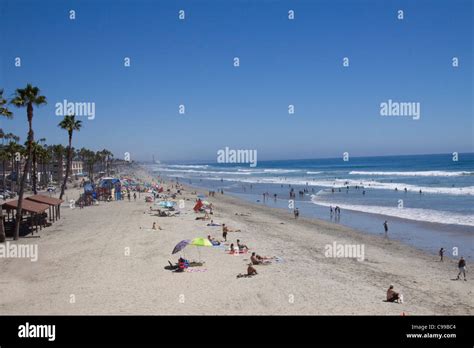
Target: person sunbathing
x,y
393,296
241,246
213,240
251,270
259,260
212,223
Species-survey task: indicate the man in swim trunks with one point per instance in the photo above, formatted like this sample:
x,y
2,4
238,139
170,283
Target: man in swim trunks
x,y
241,246
251,270
224,232
255,260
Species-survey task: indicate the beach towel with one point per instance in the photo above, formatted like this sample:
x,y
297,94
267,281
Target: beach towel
x,y
240,252
195,270
279,259
221,246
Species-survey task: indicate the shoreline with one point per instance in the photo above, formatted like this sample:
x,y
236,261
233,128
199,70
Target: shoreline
x,y
83,255
421,225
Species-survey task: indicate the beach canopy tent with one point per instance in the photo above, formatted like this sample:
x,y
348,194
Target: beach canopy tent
x,y
34,209
88,188
108,183
54,205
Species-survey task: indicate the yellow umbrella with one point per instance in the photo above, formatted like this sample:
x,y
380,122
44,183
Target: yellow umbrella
x,y
201,242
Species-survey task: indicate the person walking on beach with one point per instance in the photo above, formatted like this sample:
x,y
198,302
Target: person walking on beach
x,y
134,196
296,212
128,195
385,226
224,232
462,268
441,254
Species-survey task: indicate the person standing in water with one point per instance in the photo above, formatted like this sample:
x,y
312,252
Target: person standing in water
x,y
385,226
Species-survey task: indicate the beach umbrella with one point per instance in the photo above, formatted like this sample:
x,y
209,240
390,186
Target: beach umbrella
x,y
201,196
201,242
180,246
166,204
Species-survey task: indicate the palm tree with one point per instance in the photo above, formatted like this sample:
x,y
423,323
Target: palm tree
x,y
58,156
91,159
26,97
3,109
13,149
36,148
106,155
70,124
5,153
4,112
45,158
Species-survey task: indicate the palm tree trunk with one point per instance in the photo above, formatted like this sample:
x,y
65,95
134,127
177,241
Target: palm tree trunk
x,y
68,166
3,175
2,227
11,175
33,171
16,234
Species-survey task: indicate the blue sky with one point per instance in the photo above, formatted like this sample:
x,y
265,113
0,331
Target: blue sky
x,y
283,62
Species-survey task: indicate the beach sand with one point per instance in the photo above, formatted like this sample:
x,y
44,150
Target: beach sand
x,y
83,267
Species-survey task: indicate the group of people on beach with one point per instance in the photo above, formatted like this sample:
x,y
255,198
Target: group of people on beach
x,y
461,264
238,247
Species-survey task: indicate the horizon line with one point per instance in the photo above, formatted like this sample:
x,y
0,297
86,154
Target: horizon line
x,y
306,159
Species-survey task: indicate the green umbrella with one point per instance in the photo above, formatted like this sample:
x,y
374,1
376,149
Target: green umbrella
x,y
201,242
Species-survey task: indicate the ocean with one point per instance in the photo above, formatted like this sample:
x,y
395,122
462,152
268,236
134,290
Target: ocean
x,y
428,200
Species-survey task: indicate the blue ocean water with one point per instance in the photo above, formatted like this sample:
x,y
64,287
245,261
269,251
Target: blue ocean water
x,y
428,200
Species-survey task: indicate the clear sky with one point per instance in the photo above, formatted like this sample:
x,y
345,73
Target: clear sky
x,y
282,62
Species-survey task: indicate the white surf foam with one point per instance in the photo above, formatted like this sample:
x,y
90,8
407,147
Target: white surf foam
x,y
188,166
417,214
416,173
202,171
341,183
281,170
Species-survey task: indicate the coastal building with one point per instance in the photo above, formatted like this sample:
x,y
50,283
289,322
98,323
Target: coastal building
x,y
58,170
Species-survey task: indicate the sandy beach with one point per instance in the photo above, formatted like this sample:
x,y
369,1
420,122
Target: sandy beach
x,y
106,259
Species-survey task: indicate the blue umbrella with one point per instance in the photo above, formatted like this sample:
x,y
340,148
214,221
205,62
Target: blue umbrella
x,y
167,204
180,246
